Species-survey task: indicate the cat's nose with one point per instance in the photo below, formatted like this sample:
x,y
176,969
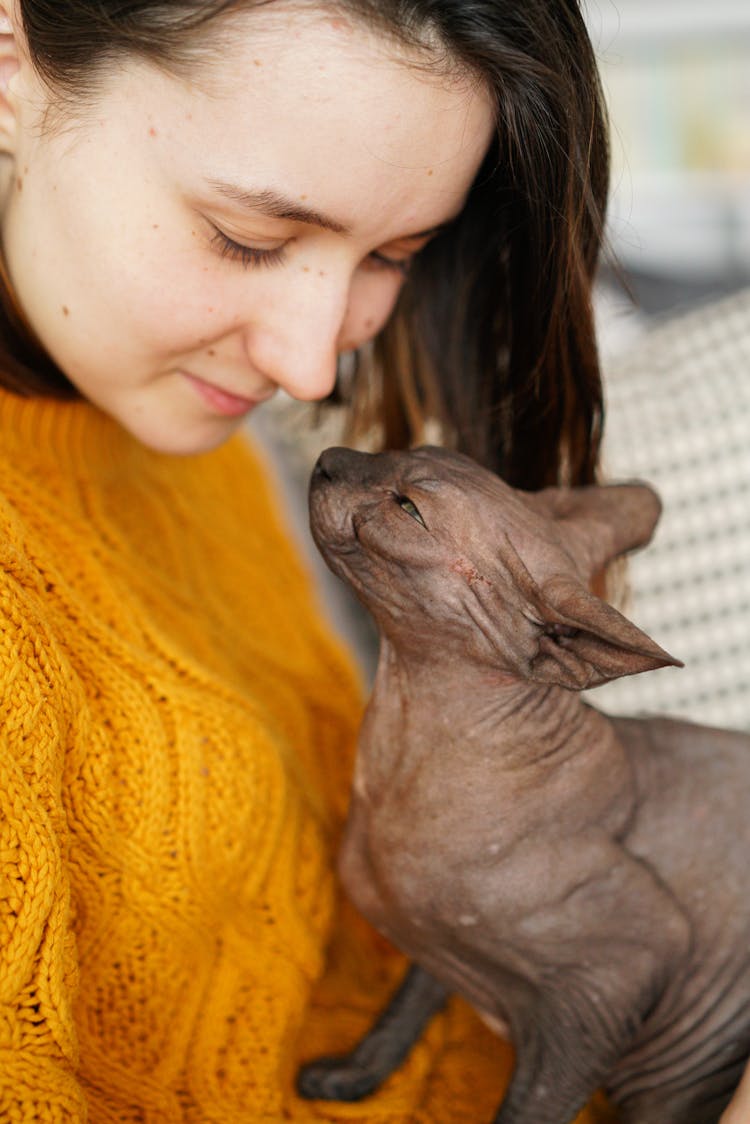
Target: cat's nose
x,y
339,463
320,472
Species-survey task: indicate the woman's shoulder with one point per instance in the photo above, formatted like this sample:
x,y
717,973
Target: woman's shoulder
x,y
18,569
30,654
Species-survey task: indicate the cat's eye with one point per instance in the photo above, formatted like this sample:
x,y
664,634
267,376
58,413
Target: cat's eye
x,y
411,508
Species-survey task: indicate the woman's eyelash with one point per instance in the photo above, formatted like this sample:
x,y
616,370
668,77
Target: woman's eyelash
x,y
401,266
247,256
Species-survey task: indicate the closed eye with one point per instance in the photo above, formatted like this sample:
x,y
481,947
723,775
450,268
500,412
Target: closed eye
x,y
400,265
410,508
247,256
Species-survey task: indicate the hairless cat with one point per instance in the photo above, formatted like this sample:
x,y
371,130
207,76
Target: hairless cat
x,y
583,880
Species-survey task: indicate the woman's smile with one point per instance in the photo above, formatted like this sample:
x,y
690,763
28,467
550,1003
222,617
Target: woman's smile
x,y
224,402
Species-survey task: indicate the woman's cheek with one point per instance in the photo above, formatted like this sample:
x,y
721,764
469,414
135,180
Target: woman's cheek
x,y
371,302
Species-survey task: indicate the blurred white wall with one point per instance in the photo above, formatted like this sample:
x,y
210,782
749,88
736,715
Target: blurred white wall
x,y
677,78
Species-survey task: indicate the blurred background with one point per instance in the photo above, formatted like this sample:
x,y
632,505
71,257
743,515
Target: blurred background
x,y
676,358
676,75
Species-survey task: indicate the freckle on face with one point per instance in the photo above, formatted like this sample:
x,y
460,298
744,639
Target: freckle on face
x,y
65,310
19,183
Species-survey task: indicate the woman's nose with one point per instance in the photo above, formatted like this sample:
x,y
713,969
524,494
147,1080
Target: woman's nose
x,y
298,351
308,376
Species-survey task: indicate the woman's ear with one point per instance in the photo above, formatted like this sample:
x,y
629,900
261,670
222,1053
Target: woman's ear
x,y
10,59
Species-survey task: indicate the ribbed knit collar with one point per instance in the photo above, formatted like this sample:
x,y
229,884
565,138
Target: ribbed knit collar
x,y
73,435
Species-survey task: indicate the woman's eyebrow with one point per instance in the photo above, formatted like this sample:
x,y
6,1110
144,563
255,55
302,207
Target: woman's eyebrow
x,y
279,206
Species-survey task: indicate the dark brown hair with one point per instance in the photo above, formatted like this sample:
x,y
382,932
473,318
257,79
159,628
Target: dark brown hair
x,y
493,335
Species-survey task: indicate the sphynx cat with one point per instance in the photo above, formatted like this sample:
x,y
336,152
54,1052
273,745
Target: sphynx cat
x,y
583,880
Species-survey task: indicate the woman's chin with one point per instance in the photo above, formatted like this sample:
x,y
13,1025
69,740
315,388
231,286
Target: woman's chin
x,y
181,440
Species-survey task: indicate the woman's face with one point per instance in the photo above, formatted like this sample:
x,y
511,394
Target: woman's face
x,y
183,250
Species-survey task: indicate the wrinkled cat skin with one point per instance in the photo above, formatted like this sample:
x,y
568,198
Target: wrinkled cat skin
x,y
584,881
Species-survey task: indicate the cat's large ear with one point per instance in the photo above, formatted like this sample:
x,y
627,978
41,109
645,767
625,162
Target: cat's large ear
x,y
600,522
586,642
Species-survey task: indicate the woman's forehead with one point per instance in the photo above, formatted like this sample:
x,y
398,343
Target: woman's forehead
x,y
323,111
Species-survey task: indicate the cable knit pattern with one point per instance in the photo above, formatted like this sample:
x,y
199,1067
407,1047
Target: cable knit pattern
x,y
177,736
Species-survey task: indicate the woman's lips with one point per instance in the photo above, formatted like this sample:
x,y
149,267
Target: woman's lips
x,y
221,401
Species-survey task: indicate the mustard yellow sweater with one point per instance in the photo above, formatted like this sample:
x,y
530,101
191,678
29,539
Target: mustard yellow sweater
x,y
177,730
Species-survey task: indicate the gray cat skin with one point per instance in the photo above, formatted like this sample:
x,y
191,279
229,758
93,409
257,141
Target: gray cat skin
x,y
583,880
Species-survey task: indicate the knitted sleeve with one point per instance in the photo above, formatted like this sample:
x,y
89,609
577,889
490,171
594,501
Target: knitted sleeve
x,y
38,1051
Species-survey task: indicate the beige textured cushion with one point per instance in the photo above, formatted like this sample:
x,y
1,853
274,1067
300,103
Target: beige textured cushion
x,y
678,416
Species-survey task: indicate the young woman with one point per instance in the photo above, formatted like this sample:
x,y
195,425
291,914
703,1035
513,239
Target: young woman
x,y
204,202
